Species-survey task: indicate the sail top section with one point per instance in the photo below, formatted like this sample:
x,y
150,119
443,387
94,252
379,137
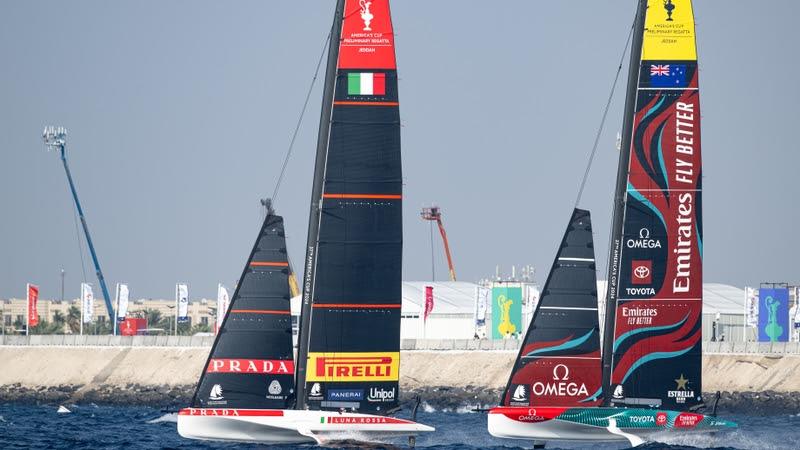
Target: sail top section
x,y
669,31
367,40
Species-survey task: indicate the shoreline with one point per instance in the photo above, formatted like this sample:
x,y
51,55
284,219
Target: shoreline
x,y
439,398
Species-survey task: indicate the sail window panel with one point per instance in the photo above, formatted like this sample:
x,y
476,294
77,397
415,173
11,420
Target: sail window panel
x,y
571,299
555,318
264,284
351,272
364,155
263,303
254,344
354,330
378,221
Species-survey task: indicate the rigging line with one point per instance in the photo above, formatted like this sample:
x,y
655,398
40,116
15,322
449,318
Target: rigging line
x,y
300,119
605,115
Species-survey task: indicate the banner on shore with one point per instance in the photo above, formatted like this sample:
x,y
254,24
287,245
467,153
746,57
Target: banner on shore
x,y
122,301
33,298
481,304
751,307
428,302
182,301
773,315
506,311
87,303
223,301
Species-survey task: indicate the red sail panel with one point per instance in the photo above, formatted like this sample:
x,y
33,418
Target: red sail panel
x,y
657,333
367,36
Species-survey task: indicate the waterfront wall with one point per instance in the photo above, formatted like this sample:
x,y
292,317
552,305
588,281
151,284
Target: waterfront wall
x,y
151,362
510,345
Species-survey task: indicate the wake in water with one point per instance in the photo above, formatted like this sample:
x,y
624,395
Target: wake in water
x,y
171,417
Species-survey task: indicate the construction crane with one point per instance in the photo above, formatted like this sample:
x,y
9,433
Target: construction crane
x,y
55,138
434,213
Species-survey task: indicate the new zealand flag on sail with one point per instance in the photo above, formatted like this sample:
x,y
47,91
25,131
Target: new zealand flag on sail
x,y
668,75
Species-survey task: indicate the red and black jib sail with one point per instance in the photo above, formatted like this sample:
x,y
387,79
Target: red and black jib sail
x,y
348,356
251,364
652,354
559,362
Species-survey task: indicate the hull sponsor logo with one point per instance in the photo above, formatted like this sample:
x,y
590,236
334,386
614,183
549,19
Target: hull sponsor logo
x,y
642,420
661,419
644,240
346,394
268,366
561,385
381,395
520,396
531,416
212,412
351,367
687,420
681,392
364,420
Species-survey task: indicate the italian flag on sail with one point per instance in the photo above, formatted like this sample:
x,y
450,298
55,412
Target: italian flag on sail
x,y
366,83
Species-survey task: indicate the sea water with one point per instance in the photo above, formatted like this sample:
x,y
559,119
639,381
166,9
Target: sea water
x,y
106,427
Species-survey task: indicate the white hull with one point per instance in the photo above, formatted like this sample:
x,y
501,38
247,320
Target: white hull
x,y
290,426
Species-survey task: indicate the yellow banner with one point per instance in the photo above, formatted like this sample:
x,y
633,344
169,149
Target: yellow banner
x,y
347,367
669,31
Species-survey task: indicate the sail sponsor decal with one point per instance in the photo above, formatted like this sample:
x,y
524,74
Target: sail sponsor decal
x,y
345,395
556,381
353,366
366,83
642,271
381,395
243,365
682,390
367,40
669,31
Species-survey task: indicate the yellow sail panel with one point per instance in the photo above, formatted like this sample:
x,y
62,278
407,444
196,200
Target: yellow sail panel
x,y
669,31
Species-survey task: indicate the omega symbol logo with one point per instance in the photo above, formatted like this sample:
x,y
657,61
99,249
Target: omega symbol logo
x,y
565,376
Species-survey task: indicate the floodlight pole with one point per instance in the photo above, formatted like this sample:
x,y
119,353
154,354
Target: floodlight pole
x,y
56,139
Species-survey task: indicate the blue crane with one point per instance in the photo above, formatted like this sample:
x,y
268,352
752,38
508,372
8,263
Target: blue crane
x,y
56,139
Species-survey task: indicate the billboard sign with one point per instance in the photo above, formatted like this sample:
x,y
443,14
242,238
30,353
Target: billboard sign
x,y
773,315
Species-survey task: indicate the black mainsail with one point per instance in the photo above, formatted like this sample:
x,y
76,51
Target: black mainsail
x,y
348,355
559,362
652,350
251,364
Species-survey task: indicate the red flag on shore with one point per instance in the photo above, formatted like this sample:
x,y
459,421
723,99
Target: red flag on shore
x,y
33,297
428,302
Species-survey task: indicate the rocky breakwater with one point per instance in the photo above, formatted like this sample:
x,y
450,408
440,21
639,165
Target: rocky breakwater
x,y
445,380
